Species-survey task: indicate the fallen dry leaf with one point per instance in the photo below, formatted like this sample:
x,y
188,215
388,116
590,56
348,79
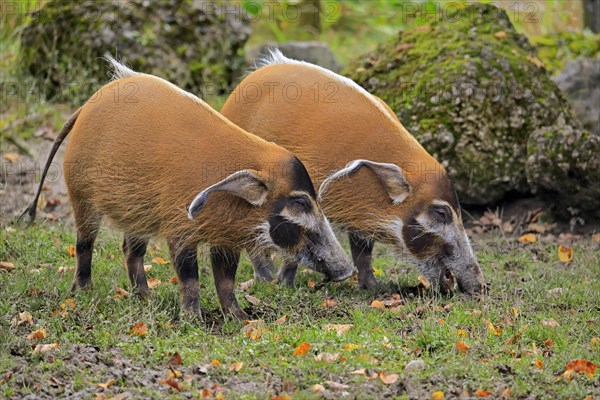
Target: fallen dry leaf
x,y
528,238
246,285
107,384
482,393
388,379
251,299
550,323
11,157
595,342
174,280
327,357
461,333
318,388
281,321
328,303
7,265
153,283
139,329
44,348
500,35
24,318
235,366
147,268
462,347
39,334
302,349
175,360
492,329
535,61
351,346
159,261
439,395
253,329
311,283
120,292
596,237
506,394
336,385
174,383
539,364
565,254
339,328
215,363
582,366
71,251
377,304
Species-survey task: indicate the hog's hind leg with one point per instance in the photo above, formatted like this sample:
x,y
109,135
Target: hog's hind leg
x,y
87,221
134,249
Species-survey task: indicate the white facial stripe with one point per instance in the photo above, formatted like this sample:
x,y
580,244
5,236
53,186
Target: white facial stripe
x,y
303,219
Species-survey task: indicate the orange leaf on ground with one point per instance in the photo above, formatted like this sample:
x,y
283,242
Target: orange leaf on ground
x,y
235,366
107,384
492,329
175,360
328,303
71,251
500,35
388,379
539,364
39,334
339,328
482,393
377,304
461,347
281,321
302,349
439,395
311,283
461,333
121,293
7,265
351,346
174,280
582,366
43,348
24,318
159,261
174,383
153,283
565,254
506,394
215,363
528,238
139,329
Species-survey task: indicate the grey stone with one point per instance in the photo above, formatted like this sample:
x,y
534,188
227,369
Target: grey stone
x,y
313,52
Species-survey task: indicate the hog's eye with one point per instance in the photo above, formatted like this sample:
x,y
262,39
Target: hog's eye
x,y
302,203
441,214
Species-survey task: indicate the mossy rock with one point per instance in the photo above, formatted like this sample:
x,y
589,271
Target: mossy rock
x,y
197,45
472,91
557,49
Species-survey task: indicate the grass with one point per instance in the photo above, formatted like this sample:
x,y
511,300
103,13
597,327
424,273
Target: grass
x,y
96,345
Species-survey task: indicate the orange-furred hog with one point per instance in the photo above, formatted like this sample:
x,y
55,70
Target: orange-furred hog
x,y
155,160
376,181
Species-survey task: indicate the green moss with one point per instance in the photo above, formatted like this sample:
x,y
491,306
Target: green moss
x,y
557,49
471,90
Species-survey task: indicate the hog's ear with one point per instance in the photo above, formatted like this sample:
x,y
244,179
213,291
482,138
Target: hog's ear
x,y
245,184
390,175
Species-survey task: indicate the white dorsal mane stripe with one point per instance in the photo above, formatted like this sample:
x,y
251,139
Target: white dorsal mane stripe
x,y
119,71
276,57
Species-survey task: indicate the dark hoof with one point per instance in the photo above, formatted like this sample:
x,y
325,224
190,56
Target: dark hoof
x,y
191,313
263,277
238,313
142,293
81,284
369,284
